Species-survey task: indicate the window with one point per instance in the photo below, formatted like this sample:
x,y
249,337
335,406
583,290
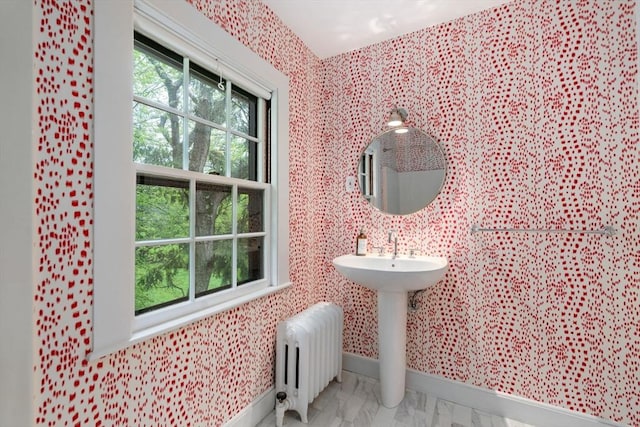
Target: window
x,y
196,234
190,172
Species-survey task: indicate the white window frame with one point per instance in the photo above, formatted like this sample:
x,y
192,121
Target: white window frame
x,y
168,22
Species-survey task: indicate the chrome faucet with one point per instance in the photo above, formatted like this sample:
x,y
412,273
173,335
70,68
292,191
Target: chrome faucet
x,y
393,235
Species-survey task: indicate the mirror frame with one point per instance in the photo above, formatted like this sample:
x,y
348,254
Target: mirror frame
x,y
376,179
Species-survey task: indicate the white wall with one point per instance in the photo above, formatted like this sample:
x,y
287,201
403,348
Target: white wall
x,y
16,214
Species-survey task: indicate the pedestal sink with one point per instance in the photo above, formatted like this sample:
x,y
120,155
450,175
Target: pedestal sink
x,y
392,278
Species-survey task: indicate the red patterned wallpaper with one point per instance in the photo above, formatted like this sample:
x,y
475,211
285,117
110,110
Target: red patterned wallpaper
x,y
535,105
202,374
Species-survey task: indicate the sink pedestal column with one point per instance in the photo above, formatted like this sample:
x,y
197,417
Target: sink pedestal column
x,y
392,345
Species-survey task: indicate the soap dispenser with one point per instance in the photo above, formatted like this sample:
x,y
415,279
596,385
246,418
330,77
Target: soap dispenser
x,y
361,244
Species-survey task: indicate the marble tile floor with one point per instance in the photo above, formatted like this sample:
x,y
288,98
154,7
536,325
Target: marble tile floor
x,y
356,403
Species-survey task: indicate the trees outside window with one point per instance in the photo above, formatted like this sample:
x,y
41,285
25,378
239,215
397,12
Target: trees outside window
x,y
200,190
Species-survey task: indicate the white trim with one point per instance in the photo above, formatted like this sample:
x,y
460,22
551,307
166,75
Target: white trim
x,y
114,170
494,402
253,413
112,258
162,13
361,365
279,215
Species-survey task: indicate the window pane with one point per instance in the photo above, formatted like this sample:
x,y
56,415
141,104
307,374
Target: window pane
x,y
243,158
206,99
156,76
162,208
213,266
250,206
157,137
243,115
162,276
213,209
250,260
206,149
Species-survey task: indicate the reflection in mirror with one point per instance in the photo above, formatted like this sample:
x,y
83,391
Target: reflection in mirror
x,y
402,171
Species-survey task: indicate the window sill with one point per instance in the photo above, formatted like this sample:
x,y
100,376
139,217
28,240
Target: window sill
x,y
155,331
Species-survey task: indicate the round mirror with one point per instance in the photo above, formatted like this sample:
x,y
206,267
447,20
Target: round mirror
x,y
402,171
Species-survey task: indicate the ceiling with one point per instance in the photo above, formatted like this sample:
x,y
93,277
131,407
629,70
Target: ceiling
x,y
332,27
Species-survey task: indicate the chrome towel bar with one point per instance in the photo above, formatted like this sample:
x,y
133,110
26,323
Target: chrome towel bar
x,y
607,230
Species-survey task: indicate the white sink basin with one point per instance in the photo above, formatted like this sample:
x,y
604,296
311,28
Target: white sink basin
x,y
392,279
386,274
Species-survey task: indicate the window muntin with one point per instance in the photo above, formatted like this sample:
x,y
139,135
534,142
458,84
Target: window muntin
x,y
224,245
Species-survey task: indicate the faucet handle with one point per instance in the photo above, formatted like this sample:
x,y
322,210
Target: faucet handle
x,y
412,252
380,250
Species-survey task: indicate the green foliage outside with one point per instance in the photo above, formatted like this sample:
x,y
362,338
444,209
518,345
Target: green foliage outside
x,y
162,205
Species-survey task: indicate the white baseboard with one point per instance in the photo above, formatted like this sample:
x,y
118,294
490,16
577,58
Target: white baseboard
x,y
360,365
494,402
251,415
